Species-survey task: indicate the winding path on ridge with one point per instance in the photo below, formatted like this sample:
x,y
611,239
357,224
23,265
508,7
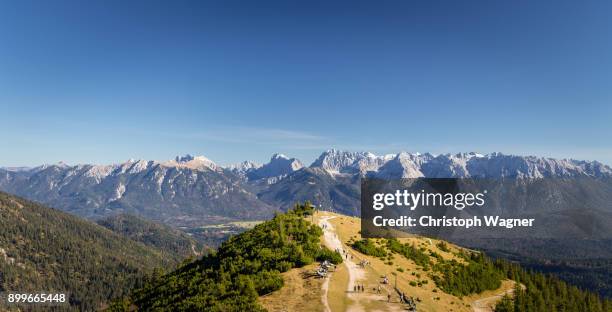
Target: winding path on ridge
x,y
355,273
371,301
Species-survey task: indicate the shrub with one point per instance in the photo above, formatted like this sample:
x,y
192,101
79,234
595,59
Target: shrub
x,y
267,281
408,251
443,246
367,247
329,255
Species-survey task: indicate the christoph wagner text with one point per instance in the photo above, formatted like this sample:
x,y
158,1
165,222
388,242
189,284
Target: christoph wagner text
x,y
429,221
413,200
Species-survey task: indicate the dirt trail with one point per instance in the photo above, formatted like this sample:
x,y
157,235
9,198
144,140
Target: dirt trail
x,y
487,304
324,290
356,274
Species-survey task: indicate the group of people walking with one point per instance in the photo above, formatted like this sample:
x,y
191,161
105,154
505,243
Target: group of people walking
x,y
358,288
344,253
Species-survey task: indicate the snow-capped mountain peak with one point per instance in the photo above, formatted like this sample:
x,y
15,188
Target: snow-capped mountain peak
x,y
469,164
403,165
192,162
339,162
278,167
278,156
363,163
244,166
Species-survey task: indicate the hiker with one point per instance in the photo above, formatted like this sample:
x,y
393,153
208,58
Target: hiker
x,y
354,288
388,297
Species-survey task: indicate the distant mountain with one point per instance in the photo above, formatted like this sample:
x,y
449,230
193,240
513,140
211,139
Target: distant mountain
x,y
193,190
184,190
278,167
460,165
243,168
316,185
176,244
403,165
15,168
335,162
46,249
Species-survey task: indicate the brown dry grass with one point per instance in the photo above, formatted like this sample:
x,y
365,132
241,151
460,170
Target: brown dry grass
x,y
336,296
298,293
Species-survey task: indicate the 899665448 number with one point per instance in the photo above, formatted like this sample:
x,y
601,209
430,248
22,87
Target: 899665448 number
x,y
19,298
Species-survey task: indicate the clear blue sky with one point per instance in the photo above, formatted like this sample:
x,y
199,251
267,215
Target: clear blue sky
x,y
105,81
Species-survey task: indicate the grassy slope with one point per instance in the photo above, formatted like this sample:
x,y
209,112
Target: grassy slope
x,y
298,293
349,227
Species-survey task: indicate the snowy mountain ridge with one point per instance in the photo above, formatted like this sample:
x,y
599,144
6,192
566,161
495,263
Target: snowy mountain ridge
x,y
195,189
337,162
461,165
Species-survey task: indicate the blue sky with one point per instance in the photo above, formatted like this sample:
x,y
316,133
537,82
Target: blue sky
x,y
101,82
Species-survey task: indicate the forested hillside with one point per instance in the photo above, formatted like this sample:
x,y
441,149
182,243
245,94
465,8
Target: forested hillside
x,y
245,267
541,292
173,243
43,249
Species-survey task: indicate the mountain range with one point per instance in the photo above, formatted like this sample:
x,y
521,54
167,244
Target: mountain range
x,y
190,190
